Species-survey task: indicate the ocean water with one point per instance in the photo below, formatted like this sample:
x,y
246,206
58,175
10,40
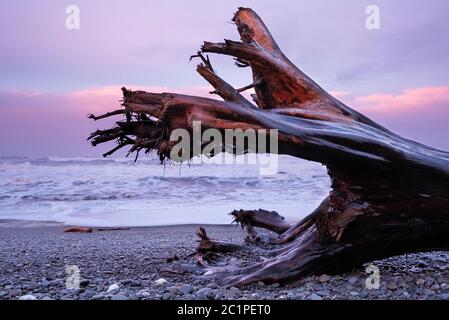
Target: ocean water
x,y
117,192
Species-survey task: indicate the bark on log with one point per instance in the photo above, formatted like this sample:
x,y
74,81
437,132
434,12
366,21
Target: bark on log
x,y
208,249
389,195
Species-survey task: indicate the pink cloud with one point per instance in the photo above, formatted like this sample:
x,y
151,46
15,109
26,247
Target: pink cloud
x,y
340,94
412,100
115,91
39,123
36,123
421,114
428,101
102,99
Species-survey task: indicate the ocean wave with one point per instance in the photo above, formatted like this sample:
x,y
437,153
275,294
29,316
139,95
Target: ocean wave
x,y
66,189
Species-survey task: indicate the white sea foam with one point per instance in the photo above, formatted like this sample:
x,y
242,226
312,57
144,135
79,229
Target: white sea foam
x,y
117,192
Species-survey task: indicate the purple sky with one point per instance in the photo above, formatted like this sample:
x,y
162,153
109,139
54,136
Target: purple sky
x,y
51,77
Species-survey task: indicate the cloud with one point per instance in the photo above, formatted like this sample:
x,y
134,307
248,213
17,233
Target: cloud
x,y
421,114
103,99
408,101
39,123
341,94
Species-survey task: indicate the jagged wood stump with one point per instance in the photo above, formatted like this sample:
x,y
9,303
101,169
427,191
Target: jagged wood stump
x,y
389,195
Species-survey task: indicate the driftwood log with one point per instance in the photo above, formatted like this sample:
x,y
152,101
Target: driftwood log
x,y
389,195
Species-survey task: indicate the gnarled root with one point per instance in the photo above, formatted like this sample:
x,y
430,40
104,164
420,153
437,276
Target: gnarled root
x,y
250,219
307,256
208,251
298,229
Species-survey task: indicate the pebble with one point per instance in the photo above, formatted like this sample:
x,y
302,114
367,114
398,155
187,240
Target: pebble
x,y
160,282
315,297
234,290
88,294
168,296
113,287
428,292
445,296
219,296
119,297
435,287
420,282
363,294
323,293
204,294
75,291
28,297
392,286
145,294
290,296
133,297
353,280
324,278
186,289
15,292
44,283
172,289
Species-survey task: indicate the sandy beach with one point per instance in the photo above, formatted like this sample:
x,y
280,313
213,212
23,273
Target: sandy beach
x,y
125,265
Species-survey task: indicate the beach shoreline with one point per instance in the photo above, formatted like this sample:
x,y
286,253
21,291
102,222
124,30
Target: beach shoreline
x,y
34,257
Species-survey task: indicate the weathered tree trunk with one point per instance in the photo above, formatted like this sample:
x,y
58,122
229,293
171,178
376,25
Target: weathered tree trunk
x,y
389,195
